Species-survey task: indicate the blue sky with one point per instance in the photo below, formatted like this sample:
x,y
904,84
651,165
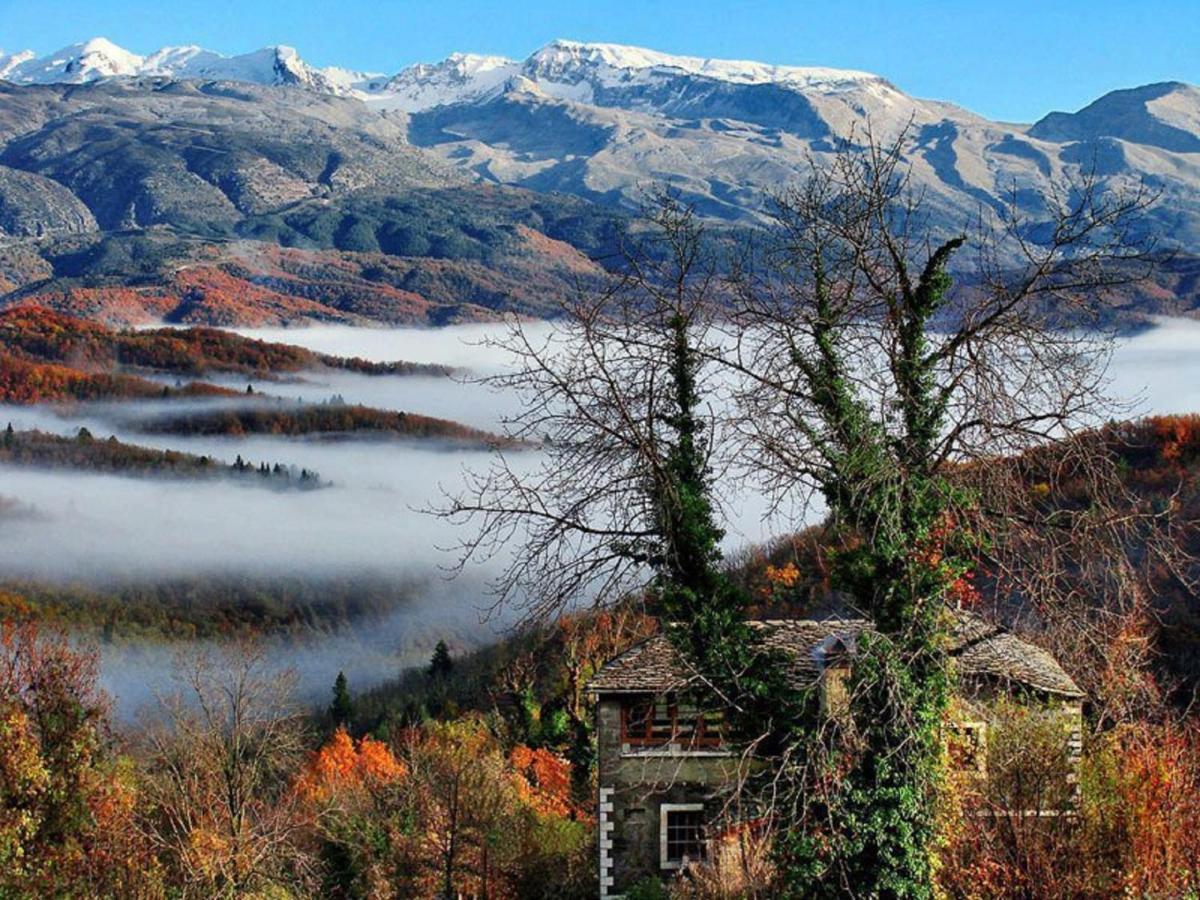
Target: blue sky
x,y
1010,60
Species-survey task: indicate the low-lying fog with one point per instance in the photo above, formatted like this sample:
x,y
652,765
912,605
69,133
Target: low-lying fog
x,y
101,527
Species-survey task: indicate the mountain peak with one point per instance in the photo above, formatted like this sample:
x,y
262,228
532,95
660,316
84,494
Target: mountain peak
x,y
562,54
476,61
459,78
1165,114
105,46
10,61
100,58
95,58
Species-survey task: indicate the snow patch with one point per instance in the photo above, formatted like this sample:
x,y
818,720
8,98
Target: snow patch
x,y
613,64
460,78
99,59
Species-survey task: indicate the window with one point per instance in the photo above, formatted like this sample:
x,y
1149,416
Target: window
x,y
670,721
968,746
681,833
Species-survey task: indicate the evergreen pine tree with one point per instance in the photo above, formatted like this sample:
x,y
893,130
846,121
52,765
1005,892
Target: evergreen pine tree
x,y
341,710
440,665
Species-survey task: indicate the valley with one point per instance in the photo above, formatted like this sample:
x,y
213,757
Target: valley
x,y
409,478
154,548
153,209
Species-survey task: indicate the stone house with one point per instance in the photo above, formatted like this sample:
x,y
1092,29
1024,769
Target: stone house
x,y
665,773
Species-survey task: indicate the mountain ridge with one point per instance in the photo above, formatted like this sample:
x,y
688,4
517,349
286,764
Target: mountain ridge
x,y
601,121
99,58
265,147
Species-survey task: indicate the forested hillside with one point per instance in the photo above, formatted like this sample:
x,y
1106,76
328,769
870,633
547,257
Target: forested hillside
x,y
45,336
215,203
865,421
85,453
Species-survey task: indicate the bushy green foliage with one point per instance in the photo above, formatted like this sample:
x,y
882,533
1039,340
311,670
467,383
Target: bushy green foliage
x,y
647,889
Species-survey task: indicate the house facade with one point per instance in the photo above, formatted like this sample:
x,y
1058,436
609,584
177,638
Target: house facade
x,y
667,778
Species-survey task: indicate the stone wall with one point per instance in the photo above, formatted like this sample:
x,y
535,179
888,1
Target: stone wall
x,y
634,784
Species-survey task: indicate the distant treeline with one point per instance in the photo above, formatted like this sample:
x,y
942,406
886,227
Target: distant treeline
x,y
278,417
207,606
476,223
43,336
85,453
26,382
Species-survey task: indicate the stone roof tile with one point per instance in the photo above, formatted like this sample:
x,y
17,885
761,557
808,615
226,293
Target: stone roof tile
x,y
980,651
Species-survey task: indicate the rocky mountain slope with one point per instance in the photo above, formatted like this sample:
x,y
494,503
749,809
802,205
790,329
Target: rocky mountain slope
x,y
600,121
134,200
98,141
200,154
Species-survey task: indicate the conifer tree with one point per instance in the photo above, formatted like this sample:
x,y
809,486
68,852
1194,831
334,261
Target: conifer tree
x,y
341,710
440,664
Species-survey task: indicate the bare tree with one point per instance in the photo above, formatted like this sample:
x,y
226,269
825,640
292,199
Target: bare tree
x,y
614,399
221,810
904,376
851,323
892,370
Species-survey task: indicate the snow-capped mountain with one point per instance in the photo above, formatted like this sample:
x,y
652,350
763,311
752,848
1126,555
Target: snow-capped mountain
x,y
602,121
88,61
10,61
460,78
100,58
598,74
572,63
608,75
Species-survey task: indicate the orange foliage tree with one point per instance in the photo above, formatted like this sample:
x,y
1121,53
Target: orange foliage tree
x,y
448,812
1132,830
543,781
1143,808
345,766
66,805
353,794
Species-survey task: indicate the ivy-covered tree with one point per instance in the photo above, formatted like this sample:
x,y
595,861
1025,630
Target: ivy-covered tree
x,y
878,376
616,397
864,373
620,396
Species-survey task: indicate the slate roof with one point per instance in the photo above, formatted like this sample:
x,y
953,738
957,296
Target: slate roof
x,y
980,651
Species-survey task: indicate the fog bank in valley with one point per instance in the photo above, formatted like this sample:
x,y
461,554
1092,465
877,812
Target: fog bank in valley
x,y
92,527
